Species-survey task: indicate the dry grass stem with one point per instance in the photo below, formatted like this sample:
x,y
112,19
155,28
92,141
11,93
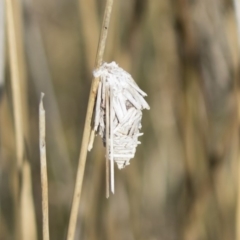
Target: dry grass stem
x,y
238,203
87,127
237,15
24,198
98,62
28,223
13,51
2,42
44,181
15,78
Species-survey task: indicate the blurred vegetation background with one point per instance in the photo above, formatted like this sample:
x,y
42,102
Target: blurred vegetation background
x,y
183,183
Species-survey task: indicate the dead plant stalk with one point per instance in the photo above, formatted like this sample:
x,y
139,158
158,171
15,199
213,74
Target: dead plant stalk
x,y
15,77
237,15
87,126
44,180
17,108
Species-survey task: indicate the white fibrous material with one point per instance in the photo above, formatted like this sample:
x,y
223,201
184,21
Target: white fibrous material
x,y
118,112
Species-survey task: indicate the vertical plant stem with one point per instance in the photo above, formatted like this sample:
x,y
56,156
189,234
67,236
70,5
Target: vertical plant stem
x,y
237,15
87,127
20,113
238,188
17,109
15,77
28,220
104,33
98,62
44,180
2,43
25,227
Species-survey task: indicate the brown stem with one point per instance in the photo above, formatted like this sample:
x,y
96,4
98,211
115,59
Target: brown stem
x,y
87,127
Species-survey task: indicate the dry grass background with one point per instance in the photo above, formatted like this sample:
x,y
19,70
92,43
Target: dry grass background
x,y
183,183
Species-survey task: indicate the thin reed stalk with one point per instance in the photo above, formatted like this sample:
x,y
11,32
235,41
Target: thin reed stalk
x,y
44,180
19,27
87,127
2,43
17,109
23,193
237,15
28,222
15,77
238,193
